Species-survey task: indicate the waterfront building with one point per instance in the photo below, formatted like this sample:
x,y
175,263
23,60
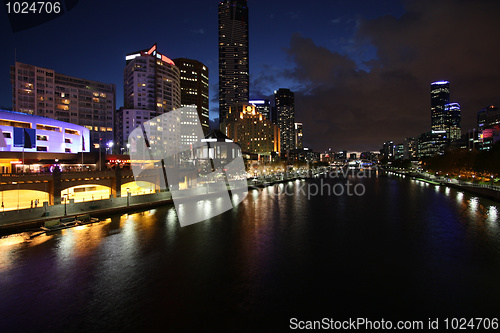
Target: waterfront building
x,y
440,96
453,121
151,88
252,131
341,156
22,134
151,81
299,143
388,150
234,78
445,118
399,151
304,155
488,117
285,111
43,92
410,148
488,127
195,88
430,144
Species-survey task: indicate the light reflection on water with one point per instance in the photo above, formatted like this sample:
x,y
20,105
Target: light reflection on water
x,y
404,248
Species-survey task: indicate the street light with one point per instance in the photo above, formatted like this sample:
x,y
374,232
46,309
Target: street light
x,y
65,198
128,196
110,145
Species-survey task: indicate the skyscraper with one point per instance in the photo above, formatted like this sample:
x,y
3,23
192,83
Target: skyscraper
x,y
453,121
151,82
151,85
233,56
299,144
285,112
43,92
194,88
440,96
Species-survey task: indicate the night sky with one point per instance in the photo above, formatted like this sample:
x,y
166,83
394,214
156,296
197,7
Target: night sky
x,y
361,70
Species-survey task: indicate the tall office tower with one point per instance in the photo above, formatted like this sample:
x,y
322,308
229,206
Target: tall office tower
x,y
43,92
234,79
453,121
488,117
285,112
263,106
194,88
440,96
299,144
151,84
151,81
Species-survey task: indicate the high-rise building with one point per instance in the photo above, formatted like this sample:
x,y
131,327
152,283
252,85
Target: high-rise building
x,y
488,127
151,81
453,121
194,88
251,130
440,96
262,106
151,84
43,92
299,144
488,117
410,146
285,112
234,79
445,121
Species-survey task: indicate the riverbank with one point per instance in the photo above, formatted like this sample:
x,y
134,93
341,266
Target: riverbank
x,y
24,220
486,191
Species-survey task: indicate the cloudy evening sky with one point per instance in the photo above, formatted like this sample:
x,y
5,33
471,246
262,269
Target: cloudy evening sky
x,y
361,70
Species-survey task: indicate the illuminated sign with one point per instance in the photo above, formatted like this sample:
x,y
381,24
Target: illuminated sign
x,y
152,49
440,82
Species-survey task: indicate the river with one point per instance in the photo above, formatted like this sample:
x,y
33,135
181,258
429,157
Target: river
x,y
392,248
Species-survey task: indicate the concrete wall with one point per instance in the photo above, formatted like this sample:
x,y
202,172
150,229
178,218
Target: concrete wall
x,y
88,207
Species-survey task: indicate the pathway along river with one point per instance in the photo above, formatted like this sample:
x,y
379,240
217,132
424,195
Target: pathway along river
x,y
403,250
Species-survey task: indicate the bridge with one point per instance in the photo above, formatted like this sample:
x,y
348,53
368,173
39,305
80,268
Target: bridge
x,y
55,182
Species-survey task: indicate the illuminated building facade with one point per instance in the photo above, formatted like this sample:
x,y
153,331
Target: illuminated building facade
x,y
445,121
488,117
453,115
194,88
440,96
262,106
285,112
251,130
234,78
23,133
488,127
299,144
43,92
151,83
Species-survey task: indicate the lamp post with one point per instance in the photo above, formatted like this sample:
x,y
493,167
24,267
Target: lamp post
x,y
128,196
110,146
65,198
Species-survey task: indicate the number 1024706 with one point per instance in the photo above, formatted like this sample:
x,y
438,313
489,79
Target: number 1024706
x,y
33,7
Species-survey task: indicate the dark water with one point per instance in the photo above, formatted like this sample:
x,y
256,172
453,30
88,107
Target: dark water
x,y
402,251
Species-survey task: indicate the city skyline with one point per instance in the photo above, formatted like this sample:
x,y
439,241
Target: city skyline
x,y
360,71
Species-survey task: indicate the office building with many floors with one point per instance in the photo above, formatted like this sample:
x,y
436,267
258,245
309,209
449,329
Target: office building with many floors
x,y
43,92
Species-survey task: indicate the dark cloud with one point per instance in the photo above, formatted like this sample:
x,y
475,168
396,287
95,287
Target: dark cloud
x,y
344,107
